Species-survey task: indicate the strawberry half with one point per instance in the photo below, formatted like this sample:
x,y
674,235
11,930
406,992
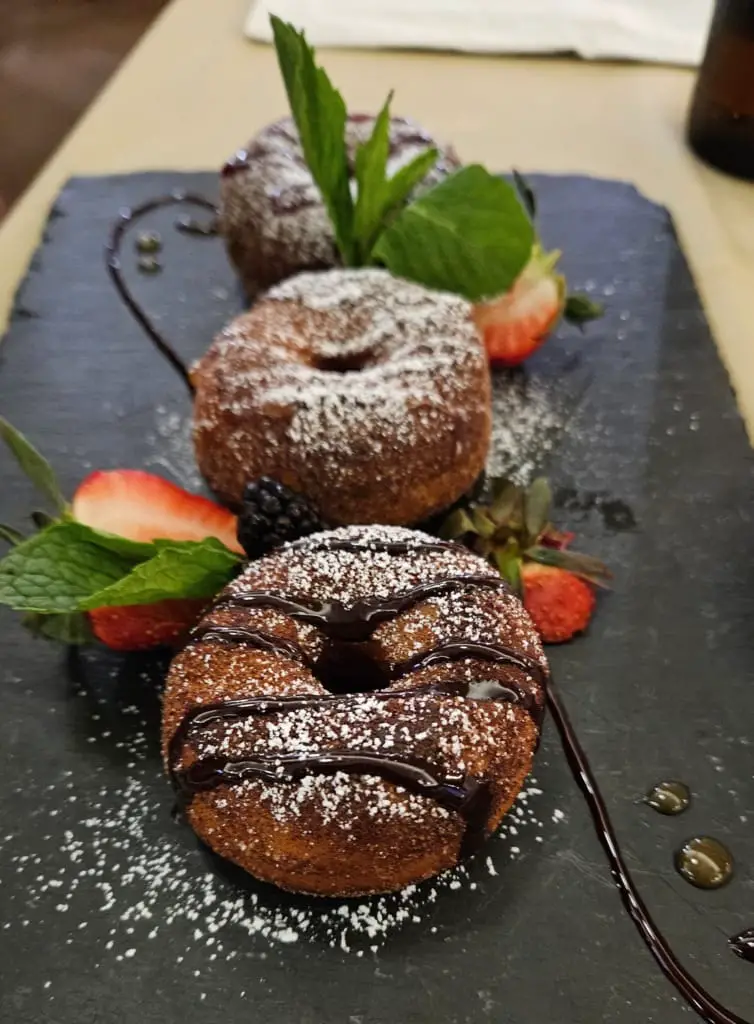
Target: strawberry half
x,y
144,507
142,626
515,324
559,603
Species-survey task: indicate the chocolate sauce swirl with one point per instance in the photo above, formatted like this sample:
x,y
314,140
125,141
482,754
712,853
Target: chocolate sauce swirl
x,y
698,998
127,217
468,796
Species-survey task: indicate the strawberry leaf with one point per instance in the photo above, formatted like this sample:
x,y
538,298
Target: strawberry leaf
x,y
190,569
37,468
508,561
537,504
505,497
579,309
320,115
589,568
456,525
469,234
483,525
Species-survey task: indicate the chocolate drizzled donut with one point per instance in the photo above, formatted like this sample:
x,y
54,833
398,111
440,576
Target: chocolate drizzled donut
x,y
356,712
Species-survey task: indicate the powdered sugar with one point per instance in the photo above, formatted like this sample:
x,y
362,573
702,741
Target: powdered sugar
x,y
113,863
529,417
277,394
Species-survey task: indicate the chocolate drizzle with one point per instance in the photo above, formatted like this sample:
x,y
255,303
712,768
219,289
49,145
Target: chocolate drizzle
x,y
358,621
469,797
204,715
127,217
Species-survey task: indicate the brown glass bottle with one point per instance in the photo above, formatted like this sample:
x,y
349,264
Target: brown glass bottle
x,y
721,119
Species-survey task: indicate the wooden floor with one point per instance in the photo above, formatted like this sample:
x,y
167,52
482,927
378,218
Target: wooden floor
x,y
55,56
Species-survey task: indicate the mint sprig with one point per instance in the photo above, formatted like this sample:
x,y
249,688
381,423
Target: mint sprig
x,y
469,234
377,195
68,568
320,115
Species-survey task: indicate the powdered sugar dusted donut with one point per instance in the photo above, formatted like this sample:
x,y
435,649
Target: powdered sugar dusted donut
x,y
356,713
366,393
271,212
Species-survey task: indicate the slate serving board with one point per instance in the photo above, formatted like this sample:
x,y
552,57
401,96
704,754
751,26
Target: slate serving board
x,y
661,687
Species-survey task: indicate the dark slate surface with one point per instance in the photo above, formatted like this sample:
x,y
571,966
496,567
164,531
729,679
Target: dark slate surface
x,y
663,686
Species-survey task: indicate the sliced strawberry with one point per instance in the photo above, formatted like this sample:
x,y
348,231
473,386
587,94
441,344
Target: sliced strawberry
x,y
142,626
144,507
559,603
515,324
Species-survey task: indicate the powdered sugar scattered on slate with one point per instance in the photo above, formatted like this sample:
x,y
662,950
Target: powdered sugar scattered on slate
x,y
174,448
529,418
154,884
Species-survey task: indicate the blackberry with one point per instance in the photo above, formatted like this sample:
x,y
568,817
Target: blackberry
x,y
273,514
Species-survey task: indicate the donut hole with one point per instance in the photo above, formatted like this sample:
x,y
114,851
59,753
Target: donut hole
x,y
346,363
349,667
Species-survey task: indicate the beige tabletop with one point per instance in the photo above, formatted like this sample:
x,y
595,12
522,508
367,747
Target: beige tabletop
x,y
195,89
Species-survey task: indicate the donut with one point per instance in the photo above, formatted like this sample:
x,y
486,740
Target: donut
x,y
272,217
366,393
356,713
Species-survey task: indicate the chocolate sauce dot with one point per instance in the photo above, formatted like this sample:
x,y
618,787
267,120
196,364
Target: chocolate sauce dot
x,y
149,265
704,862
743,944
148,241
669,797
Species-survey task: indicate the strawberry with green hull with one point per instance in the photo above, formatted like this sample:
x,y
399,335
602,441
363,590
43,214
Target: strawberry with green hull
x,y
514,532
514,325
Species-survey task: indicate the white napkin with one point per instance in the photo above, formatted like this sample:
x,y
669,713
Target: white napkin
x,y
670,31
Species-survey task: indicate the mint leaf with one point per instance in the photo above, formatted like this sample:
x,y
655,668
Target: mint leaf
x,y
406,178
10,535
133,550
54,570
70,628
378,196
320,115
525,193
370,169
38,469
179,569
469,234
